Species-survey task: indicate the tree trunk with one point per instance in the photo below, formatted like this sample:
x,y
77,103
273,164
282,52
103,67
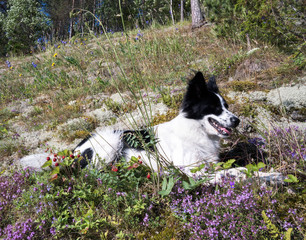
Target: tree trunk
x,y
81,19
94,13
171,12
182,10
196,15
71,21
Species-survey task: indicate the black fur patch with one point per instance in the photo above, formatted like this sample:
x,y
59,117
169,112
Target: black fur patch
x,y
86,157
201,99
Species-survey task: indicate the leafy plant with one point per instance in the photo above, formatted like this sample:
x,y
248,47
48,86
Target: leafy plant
x,y
224,165
167,185
251,168
193,184
34,22
291,179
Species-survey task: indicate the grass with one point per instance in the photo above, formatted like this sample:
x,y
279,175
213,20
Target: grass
x,y
127,201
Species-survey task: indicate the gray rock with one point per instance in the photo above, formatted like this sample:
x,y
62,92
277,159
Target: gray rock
x,y
20,106
34,161
253,96
290,97
258,96
141,117
120,98
102,115
271,178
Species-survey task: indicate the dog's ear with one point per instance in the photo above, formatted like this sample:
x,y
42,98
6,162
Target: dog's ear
x,y
196,92
212,85
197,86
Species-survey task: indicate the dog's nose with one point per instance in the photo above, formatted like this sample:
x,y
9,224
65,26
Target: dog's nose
x,y
234,121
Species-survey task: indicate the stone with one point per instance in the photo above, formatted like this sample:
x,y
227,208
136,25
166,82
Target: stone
x,y
34,161
270,178
290,97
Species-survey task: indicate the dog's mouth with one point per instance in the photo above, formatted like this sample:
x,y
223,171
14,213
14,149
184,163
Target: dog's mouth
x,y
224,131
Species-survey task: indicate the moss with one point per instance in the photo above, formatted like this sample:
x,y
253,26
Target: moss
x,y
79,134
303,111
241,86
161,118
110,121
172,101
172,230
229,100
295,200
113,106
118,108
6,115
78,129
248,110
9,147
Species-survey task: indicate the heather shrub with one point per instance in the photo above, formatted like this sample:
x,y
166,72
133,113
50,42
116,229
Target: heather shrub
x,y
12,186
119,202
286,146
20,231
228,211
83,204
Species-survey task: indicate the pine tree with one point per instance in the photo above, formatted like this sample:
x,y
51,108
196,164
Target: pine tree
x,y
24,24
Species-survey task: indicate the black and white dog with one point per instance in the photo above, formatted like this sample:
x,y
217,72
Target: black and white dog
x,y
190,139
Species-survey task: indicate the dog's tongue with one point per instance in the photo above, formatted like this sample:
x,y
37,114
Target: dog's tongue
x,y
226,130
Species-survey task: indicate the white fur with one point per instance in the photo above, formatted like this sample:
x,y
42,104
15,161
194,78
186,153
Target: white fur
x,y
224,119
105,145
182,142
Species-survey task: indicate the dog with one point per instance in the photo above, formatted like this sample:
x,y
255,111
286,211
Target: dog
x,y
187,141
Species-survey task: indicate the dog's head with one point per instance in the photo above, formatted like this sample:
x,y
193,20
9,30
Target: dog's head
x,y
202,102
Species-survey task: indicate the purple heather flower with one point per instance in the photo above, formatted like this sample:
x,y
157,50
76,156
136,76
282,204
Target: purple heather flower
x,y
146,220
292,211
53,231
34,65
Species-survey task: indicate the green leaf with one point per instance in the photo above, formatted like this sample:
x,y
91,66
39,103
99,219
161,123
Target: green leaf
x,y
134,159
56,170
164,184
186,185
47,164
2,171
229,163
191,180
196,169
272,229
167,186
292,179
287,234
260,165
219,164
250,167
